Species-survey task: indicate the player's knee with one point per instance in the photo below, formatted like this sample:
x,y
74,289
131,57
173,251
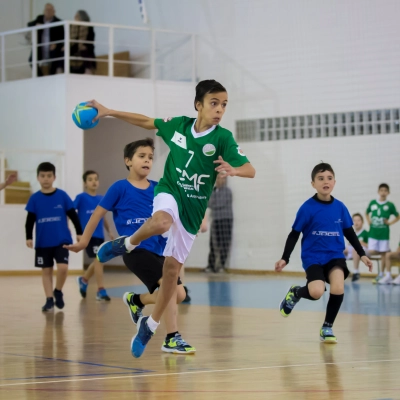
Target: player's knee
x,y
161,223
316,293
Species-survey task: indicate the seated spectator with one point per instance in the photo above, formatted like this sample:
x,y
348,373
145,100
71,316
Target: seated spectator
x,y
46,36
84,50
391,256
362,235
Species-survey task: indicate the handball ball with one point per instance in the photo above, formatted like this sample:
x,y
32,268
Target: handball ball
x,y
83,116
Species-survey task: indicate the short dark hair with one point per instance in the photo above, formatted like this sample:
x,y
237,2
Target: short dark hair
x,y
384,185
321,167
206,87
358,215
130,148
87,173
46,167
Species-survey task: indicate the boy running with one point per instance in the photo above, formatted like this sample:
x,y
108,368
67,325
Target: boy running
x,y
324,221
181,197
131,202
85,203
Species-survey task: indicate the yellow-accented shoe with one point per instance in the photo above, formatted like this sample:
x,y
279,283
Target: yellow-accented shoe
x,y
288,302
134,311
326,335
177,345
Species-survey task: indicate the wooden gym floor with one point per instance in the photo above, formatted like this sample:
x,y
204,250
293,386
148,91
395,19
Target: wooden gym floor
x,y
245,349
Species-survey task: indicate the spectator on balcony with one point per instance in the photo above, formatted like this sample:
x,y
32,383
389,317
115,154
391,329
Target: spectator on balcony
x,y
82,34
45,38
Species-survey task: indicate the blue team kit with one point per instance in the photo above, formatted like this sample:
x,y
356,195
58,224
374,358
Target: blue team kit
x,y
85,204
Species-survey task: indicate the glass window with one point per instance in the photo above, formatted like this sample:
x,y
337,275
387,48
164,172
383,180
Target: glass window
x,y
286,122
343,118
361,129
378,115
326,119
387,115
262,136
262,123
293,121
335,119
318,131
396,114
351,117
270,123
277,122
360,117
309,120
318,120
285,134
302,121
269,135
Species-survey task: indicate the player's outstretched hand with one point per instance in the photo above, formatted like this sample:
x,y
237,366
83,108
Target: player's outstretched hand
x,y
224,167
279,265
102,111
29,244
76,247
367,262
11,179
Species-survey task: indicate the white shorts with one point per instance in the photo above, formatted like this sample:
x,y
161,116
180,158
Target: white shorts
x,y
382,246
180,241
350,252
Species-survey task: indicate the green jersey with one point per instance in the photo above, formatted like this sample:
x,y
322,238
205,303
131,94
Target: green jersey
x,y
189,172
362,236
379,212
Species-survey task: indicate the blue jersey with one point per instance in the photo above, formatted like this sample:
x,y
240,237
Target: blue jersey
x,y
85,205
322,225
131,207
51,218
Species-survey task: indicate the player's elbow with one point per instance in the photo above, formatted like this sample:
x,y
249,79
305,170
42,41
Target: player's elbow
x,y
252,171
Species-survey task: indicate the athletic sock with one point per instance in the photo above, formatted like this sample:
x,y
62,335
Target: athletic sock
x,y
128,244
332,309
153,325
387,273
303,293
100,288
137,301
171,335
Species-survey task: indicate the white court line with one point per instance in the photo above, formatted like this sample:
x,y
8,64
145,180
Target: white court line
x,y
200,372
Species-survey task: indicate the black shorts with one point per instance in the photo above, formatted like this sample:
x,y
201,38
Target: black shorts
x,y
147,266
45,256
317,272
93,246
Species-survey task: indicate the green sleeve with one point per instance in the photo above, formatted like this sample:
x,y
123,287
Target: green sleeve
x,y
167,127
232,153
394,211
365,236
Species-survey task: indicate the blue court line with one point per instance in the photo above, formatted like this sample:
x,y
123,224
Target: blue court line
x,y
68,376
79,362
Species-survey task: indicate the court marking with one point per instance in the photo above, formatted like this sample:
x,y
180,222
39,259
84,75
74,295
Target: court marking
x,y
65,376
138,370
203,372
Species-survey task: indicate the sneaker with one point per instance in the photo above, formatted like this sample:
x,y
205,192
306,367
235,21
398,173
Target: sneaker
x,y
289,302
49,306
386,280
187,299
109,250
377,278
396,281
58,295
209,269
326,335
140,340
102,295
134,311
355,277
82,286
177,345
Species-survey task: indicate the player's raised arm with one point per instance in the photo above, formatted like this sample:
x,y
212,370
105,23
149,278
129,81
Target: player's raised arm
x,y
135,119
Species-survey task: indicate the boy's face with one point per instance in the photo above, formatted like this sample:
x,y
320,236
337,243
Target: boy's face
x,y
141,162
358,222
324,182
46,179
213,107
92,182
383,193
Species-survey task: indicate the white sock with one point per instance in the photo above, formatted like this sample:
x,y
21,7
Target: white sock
x,y
128,244
356,271
388,274
153,325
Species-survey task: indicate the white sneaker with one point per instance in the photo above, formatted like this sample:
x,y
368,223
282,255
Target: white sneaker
x,y
396,281
386,280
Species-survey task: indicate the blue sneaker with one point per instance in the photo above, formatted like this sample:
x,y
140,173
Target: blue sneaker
x,y
59,299
49,306
140,340
109,250
289,302
134,311
82,286
326,335
102,295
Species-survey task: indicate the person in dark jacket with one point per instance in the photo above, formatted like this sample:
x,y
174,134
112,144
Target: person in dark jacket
x,y
45,37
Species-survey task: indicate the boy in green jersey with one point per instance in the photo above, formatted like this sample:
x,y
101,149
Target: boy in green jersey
x,y
378,214
200,149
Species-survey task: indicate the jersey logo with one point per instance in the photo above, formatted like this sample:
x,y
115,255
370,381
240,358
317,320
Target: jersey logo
x,y
179,139
58,206
167,119
325,233
240,151
374,207
209,150
385,208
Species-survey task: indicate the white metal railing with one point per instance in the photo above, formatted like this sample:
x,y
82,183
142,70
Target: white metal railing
x,y
155,54
25,162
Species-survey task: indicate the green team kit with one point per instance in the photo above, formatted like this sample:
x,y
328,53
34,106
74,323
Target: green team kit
x,y
363,236
379,212
189,173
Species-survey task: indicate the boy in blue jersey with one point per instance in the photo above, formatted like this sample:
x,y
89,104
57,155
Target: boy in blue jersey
x,y
48,209
85,203
131,202
323,221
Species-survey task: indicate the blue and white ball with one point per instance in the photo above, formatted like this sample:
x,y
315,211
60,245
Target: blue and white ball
x,y
83,116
